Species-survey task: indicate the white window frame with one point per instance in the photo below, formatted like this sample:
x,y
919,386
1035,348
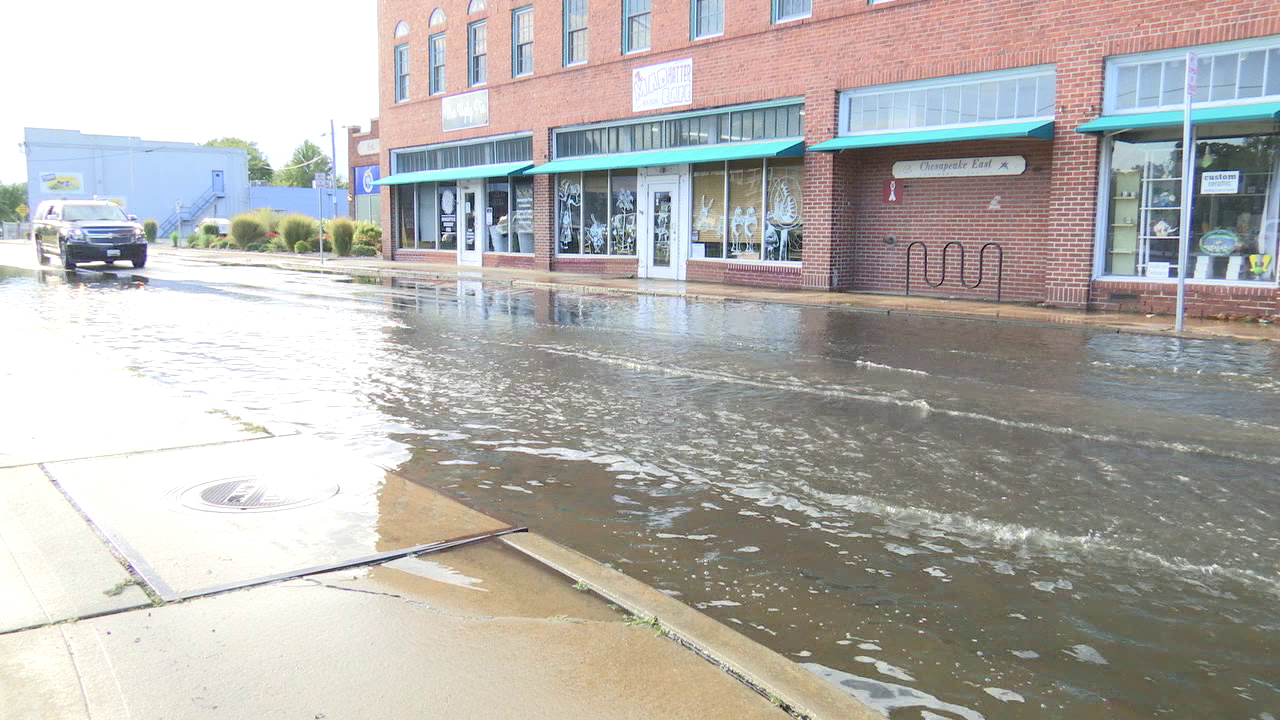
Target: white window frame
x,y
1034,71
401,69
517,15
432,66
566,42
778,18
1114,65
627,38
473,75
694,17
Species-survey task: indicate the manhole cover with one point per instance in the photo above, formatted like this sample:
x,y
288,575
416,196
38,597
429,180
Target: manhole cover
x,y
254,494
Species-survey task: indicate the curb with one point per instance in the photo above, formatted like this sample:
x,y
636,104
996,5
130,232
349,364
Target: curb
x,y
772,675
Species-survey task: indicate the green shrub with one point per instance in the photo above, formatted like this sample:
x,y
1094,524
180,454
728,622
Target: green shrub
x,y
222,243
209,229
343,231
173,237
297,228
198,240
362,250
302,247
248,229
149,229
270,219
368,233
253,247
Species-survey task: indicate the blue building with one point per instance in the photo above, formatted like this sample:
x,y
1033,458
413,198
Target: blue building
x,y
173,183
308,201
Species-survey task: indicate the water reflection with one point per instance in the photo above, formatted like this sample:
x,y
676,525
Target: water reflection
x,y
988,509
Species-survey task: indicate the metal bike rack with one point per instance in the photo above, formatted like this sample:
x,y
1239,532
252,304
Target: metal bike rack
x,y
982,263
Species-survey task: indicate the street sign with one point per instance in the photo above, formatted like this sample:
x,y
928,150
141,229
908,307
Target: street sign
x,y
321,180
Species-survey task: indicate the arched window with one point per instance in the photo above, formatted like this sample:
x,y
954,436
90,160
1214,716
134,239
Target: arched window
x,y
437,17
402,29
475,7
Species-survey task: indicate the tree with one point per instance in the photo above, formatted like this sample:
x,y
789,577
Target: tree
x,y
259,167
308,159
13,202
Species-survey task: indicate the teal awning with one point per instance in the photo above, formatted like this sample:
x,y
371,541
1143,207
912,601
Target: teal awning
x,y
1138,121
674,156
450,174
1037,129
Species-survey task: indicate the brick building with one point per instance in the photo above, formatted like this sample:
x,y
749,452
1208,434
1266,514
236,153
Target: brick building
x,y
363,151
838,145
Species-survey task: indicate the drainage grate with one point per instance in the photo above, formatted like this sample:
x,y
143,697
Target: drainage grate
x,y
254,494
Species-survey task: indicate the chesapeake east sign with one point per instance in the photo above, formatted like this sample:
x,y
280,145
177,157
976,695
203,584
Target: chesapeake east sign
x,y
961,167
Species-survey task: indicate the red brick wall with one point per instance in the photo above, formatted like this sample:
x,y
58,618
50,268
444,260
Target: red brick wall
x,y
844,45
756,274
355,159
936,211
595,265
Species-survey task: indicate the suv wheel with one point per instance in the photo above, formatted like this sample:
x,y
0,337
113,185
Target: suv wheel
x,y
65,253
41,258
141,260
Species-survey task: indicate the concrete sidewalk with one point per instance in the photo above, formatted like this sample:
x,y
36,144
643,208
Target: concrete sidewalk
x,y
866,302
163,558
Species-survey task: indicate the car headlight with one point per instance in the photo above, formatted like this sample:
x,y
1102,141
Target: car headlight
x,y
139,235
76,234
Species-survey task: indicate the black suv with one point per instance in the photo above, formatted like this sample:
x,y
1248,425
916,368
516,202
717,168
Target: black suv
x,y
87,230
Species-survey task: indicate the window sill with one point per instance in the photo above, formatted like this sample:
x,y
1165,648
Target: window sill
x,y
707,37
793,18
1190,281
575,64
746,261
635,51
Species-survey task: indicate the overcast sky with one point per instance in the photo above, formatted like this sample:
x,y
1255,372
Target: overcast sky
x,y
270,71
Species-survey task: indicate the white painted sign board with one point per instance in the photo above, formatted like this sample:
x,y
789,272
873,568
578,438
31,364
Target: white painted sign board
x,y
662,86
961,167
1220,183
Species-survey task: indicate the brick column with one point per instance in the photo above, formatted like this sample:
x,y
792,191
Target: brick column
x,y
544,203
1069,239
828,223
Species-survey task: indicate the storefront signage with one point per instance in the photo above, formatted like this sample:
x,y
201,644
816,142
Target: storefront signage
x,y
69,183
892,192
365,178
1220,183
961,167
368,147
468,110
662,86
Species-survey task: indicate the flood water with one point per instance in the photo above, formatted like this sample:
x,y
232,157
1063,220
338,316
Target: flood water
x,y
948,518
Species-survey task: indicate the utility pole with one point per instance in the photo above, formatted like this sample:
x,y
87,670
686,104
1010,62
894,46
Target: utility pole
x,y
333,172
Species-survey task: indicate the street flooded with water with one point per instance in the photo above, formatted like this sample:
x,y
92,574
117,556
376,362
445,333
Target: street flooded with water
x,y
948,518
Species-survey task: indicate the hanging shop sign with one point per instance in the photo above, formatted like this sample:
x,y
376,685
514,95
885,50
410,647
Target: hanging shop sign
x,y
961,167
1220,183
366,176
662,86
468,110
368,147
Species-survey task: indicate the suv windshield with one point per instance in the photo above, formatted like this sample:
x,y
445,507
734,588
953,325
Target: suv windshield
x,y
93,212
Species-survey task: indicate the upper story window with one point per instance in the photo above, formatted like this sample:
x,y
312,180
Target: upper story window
x,y
442,157
636,20
707,18
575,31
402,29
477,53
437,18
475,6
1155,81
522,41
784,10
435,57
1023,94
726,126
402,72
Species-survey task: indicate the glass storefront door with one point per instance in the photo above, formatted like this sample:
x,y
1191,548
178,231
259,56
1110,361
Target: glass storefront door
x,y
471,208
662,230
